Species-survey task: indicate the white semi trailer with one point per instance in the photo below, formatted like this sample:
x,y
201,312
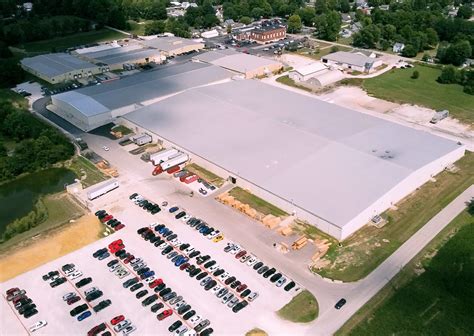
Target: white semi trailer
x,y
181,158
102,188
163,155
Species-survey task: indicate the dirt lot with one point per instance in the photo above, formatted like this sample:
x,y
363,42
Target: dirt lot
x,y
40,250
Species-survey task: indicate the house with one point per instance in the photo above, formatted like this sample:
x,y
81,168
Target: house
x,y
353,61
345,18
210,34
306,72
356,27
384,7
398,47
361,3
368,53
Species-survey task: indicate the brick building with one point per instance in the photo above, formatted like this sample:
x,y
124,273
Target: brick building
x,y
268,33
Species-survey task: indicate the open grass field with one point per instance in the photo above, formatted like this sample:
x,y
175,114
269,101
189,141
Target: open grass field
x,y
13,97
255,202
303,308
323,52
437,302
370,246
205,174
397,86
62,43
87,171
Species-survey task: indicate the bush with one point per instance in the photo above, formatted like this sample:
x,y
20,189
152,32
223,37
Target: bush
x,y
415,74
35,217
449,75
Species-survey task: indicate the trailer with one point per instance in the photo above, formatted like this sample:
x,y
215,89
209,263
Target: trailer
x,y
102,188
141,139
439,115
177,160
191,178
163,155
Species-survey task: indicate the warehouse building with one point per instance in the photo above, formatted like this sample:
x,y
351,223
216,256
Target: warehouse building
x,y
334,167
94,106
248,65
315,75
60,67
353,61
172,45
118,57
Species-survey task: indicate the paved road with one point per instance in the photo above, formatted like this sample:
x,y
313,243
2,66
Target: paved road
x,y
330,321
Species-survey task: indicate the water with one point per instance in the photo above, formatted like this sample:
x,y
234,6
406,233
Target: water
x,y
18,197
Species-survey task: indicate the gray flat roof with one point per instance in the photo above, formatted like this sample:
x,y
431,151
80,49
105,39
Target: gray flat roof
x,y
150,85
329,160
169,43
122,54
349,58
52,65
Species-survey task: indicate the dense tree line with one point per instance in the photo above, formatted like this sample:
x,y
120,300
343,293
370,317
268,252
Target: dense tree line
x,y
35,217
176,26
38,145
256,9
203,16
451,75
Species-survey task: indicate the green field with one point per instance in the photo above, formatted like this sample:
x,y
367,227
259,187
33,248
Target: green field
x,y
87,170
397,86
255,202
323,52
303,308
13,97
62,43
362,252
437,302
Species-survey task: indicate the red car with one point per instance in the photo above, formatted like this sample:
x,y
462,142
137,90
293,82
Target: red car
x,y
155,283
128,259
117,319
241,288
73,300
18,298
184,266
116,246
119,227
97,330
240,254
106,218
164,314
13,290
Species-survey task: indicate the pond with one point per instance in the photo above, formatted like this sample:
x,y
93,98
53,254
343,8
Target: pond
x,y
18,197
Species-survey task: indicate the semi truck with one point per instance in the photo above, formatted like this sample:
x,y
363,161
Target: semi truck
x,y
102,188
163,155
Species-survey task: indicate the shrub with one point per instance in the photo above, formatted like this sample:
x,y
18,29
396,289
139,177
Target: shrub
x,y
415,74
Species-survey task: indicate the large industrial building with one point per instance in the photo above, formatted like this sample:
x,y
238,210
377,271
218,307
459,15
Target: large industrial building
x,y
94,106
331,166
173,45
248,65
60,67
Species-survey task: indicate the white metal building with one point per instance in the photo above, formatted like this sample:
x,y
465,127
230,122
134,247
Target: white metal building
x,y
306,72
354,61
172,45
332,166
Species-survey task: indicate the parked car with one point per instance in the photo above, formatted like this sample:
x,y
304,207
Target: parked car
x,y
164,314
38,325
339,304
84,315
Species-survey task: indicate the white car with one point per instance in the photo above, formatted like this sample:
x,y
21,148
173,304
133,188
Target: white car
x,y
122,325
186,218
136,261
227,297
216,289
75,275
152,225
181,330
189,249
213,234
213,268
150,279
163,246
191,332
38,325
123,274
244,258
176,242
252,296
224,276
128,330
252,261
195,320
68,296
280,282
90,290
113,268
179,304
235,250
105,148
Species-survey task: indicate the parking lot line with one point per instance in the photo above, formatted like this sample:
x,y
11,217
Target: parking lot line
x,y
16,315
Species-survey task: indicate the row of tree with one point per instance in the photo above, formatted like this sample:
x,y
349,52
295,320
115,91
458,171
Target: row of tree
x,y
451,75
35,217
38,145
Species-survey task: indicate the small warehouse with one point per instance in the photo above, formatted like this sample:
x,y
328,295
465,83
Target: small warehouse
x,y
120,57
315,75
172,45
248,65
60,67
353,61
306,72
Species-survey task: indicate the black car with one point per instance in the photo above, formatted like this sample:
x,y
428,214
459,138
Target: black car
x,y
164,292
269,272
230,280
183,247
132,196
83,282
156,307
30,313
245,293
257,265
206,332
143,270
112,262
25,308
194,254
201,276
202,259
175,326
340,303
169,296
220,271
208,231
112,221
290,285
99,212
183,309
275,277
160,287
102,305
262,270
141,230
98,253
193,224
120,253
50,275
209,264
189,314
180,215
130,282
125,255
167,233
171,237
167,250
136,286
143,203
199,226
79,309
141,294
149,300
154,239
210,285
155,210
149,235
235,284
194,272
57,282
94,295
239,306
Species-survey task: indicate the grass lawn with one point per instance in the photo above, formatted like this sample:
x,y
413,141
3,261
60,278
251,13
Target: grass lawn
x,y
14,98
62,43
303,308
437,302
122,129
370,246
205,174
290,82
256,332
322,52
397,86
256,202
61,209
88,172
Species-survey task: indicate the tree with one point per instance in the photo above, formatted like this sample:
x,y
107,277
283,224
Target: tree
x,y
344,6
409,51
367,37
455,53
449,75
10,72
432,36
155,27
245,20
307,15
465,12
294,24
328,26
415,74
3,150
321,6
